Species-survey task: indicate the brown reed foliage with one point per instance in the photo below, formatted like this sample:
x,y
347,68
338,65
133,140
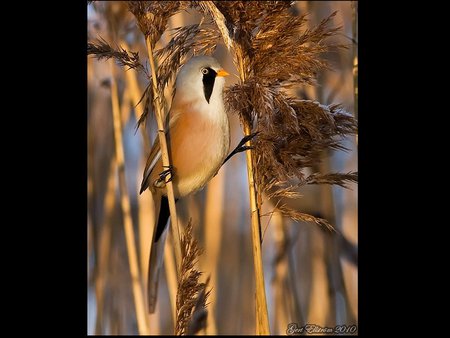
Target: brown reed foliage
x,y
278,54
191,294
101,49
152,16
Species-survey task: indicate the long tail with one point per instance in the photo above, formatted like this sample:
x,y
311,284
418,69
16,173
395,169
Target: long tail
x,y
157,250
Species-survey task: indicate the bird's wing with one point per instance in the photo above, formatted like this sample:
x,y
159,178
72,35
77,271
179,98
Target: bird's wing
x,y
155,155
155,152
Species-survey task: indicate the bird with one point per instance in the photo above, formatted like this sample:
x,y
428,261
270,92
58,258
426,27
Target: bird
x,y
198,139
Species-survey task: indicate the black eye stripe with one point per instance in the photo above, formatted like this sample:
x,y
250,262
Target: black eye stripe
x,y
208,82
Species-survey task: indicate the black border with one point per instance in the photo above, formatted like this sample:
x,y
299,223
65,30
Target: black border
x,y
66,262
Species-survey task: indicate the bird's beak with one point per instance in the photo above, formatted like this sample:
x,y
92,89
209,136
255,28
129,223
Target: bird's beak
x,y
222,72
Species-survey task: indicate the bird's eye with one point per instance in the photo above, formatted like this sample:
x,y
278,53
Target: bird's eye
x,y
205,71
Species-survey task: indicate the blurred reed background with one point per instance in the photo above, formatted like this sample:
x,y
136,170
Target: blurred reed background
x,y
311,274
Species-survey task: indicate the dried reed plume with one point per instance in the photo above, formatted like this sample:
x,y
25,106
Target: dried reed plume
x,y
152,16
191,295
274,55
277,55
101,49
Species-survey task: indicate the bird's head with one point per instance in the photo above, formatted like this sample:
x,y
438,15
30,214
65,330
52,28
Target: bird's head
x,y
201,78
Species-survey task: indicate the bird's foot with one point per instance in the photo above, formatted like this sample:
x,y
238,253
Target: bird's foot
x,y
241,146
164,177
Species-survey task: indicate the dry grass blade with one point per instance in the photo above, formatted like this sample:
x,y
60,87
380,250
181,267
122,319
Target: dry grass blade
x,y
302,217
287,190
101,49
146,97
340,179
191,295
284,189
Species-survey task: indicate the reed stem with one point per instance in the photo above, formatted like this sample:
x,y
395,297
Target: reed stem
x,y
171,277
213,225
138,295
262,316
104,244
160,116
146,206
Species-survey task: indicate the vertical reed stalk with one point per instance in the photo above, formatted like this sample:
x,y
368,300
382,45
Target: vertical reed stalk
x,y
146,224
138,295
125,106
171,276
287,306
160,116
292,281
104,249
213,234
146,207
340,309
135,95
281,318
318,306
262,316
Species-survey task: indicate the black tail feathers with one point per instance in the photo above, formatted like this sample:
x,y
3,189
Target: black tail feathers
x,y
164,214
